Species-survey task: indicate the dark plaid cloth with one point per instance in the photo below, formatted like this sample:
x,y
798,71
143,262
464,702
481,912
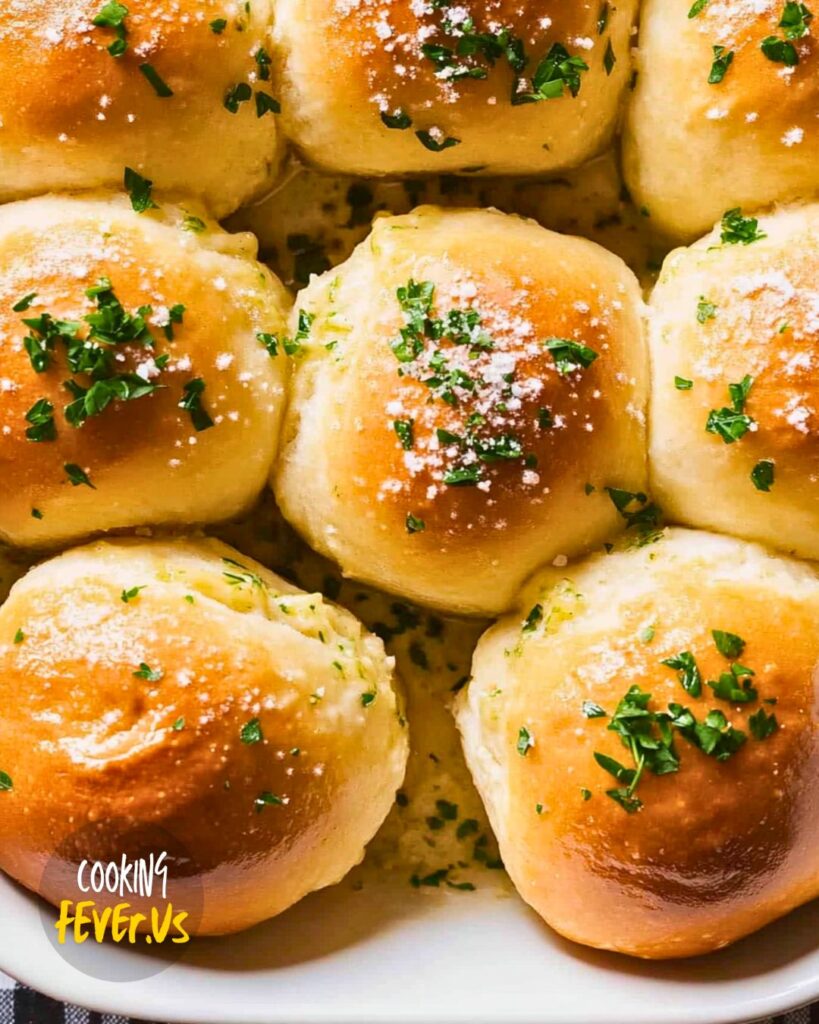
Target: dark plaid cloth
x,y
20,1005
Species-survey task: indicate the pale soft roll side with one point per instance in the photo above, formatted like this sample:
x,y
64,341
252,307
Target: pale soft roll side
x,y
449,462
147,459
719,315
255,724
717,848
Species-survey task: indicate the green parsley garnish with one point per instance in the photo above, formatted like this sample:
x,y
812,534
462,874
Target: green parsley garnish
x,y
557,71
113,15
569,355
404,432
192,403
780,51
399,119
194,224
267,799
23,304
762,724
243,576
646,517
41,418
270,342
414,524
722,61
683,384
139,191
179,724
728,644
739,230
160,87
533,619
609,58
251,732
687,672
732,423
130,594
735,686
153,675
218,26
592,710
5,782
19,636
705,310
697,7
435,145
77,475
762,475
525,741
236,95
266,104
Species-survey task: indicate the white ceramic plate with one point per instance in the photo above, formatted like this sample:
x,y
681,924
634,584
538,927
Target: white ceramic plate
x,y
390,953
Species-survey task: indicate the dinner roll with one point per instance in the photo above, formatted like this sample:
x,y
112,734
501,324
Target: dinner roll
x,y
646,744
139,380
724,112
467,386
398,86
179,685
734,332
178,90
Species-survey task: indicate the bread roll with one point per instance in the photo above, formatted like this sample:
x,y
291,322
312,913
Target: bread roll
x,y
93,436
725,840
170,88
724,112
377,87
255,723
734,332
468,385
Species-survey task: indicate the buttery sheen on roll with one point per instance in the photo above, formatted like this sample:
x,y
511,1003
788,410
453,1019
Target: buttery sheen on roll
x,y
467,386
178,90
646,745
734,339
724,110
498,87
136,384
255,724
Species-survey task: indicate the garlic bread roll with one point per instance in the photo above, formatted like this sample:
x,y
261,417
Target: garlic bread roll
x,y
734,338
255,724
178,90
406,87
646,745
468,384
724,111
135,386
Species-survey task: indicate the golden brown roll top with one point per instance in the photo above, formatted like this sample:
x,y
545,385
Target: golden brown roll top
x,y
468,385
179,90
179,685
376,88
724,112
135,386
734,337
646,744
